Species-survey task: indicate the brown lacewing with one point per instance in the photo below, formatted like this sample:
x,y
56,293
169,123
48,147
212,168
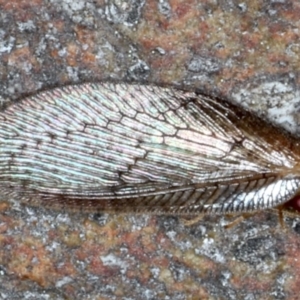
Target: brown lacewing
x,y
143,148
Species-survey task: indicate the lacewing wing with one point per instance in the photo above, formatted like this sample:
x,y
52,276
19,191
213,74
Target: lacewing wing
x,y
143,149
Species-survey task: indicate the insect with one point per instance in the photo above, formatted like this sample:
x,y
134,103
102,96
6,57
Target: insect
x,y
119,147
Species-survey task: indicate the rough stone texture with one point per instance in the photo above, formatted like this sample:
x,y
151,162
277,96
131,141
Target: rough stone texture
x,y
245,51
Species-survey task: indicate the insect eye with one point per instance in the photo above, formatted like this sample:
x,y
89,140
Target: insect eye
x,y
293,204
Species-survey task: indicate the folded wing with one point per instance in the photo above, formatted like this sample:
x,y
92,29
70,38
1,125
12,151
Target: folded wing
x,y
141,148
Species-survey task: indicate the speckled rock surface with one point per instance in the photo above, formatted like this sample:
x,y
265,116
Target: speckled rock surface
x,y
245,51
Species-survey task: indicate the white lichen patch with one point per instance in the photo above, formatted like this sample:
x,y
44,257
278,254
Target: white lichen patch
x,y
279,102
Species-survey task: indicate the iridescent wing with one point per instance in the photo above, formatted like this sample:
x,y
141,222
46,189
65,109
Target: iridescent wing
x,y
142,148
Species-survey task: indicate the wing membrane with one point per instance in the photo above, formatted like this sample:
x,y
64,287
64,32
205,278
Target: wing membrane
x,y
121,147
